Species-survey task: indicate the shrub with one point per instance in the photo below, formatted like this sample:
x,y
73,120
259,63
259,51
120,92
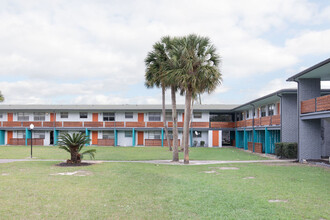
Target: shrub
x,y
202,143
286,150
279,149
290,150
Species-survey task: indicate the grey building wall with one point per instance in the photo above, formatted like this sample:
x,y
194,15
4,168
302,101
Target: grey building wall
x,y
325,137
289,118
309,143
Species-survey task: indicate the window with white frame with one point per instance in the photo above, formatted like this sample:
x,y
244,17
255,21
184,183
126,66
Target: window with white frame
x,y
154,116
83,114
168,116
21,134
108,116
39,116
22,116
128,115
39,134
197,134
170,135
263,111
128,134
271,109
64,114
154,134
108,135
197,115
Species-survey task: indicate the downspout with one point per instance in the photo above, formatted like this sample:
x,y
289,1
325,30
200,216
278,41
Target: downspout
x,y
254,111
281,112
298,114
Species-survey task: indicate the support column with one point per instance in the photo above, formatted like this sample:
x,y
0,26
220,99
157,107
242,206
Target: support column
x,y
191,137
236,137
115,134
55,136
86,133
245,140
254,138
133,137
2,137
267,143
26,136
309,143
162,137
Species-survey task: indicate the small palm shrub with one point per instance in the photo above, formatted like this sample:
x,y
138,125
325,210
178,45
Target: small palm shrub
x,y
74,144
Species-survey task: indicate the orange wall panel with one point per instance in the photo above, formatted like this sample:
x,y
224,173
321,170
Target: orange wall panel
x,y
94,137
10,117
215,138
140,138
52,116
9,136
140,117
95,117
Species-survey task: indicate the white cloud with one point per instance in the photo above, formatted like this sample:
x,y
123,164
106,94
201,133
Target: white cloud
x,y
93,51
275,85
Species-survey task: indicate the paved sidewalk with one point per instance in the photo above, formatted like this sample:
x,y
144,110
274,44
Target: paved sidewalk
x,y
167,162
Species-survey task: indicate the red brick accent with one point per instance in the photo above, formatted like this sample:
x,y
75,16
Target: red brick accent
x,y
112,124
250,146
276,119
257,122
155,124
265,120
308,106
72,124
35,123
21,141
93,124
180,124
241,123
222,124
248,123
323,103
51,124
199,124
12,124
258,147
105,142
135,124
157,142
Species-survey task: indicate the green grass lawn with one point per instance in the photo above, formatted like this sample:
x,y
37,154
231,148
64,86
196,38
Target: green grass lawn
x,y
148,191
128,153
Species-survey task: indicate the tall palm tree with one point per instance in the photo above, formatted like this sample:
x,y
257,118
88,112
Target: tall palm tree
x,y
154,76
196,71
1,97
170,43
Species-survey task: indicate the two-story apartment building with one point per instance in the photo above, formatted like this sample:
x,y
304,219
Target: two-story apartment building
x,y
108,125
287,115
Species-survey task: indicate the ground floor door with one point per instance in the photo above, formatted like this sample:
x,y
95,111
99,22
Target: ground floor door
x,y
215,141
140,138
51,141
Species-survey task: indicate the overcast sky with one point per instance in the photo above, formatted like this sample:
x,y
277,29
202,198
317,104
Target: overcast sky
x,y
92,52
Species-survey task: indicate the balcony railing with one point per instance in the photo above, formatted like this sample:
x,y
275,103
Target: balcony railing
x,y
262,121
316,105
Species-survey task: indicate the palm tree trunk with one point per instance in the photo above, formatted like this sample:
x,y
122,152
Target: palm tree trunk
x,y
175,126
74,154
187,112
164,119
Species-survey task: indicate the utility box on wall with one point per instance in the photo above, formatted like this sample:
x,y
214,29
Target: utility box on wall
x,y
215,138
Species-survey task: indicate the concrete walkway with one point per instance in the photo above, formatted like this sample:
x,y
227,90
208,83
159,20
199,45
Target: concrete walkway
x,y
167,162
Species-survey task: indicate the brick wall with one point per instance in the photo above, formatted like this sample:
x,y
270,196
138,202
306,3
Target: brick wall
x,y
106,142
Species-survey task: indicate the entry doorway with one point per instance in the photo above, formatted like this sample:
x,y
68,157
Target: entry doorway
x,y
51,138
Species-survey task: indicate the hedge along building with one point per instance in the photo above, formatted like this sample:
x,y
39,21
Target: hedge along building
x,y
112,125
313,112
